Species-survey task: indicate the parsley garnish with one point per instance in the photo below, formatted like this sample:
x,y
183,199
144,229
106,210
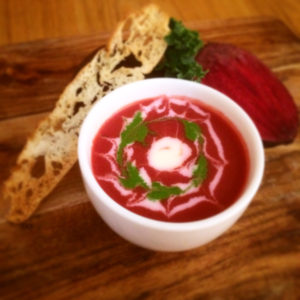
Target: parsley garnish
x,y
179,60
133,178
200,172
160,192
136,131
192,131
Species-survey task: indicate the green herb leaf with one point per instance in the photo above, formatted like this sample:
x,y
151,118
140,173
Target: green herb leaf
x,y
133,178
136,131
200,172
192,130
179,60
160,192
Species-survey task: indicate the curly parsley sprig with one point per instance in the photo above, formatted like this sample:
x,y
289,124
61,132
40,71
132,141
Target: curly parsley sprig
x,y
179,60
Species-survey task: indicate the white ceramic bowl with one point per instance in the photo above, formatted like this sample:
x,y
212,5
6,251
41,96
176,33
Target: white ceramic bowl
x,y
149,233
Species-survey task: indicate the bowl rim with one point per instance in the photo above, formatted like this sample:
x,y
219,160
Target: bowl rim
x,y
238,206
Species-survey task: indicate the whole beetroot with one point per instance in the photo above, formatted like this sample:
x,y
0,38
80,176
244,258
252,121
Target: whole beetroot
x,y
246,80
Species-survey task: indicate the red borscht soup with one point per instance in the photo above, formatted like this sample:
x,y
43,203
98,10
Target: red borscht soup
x,y
171,159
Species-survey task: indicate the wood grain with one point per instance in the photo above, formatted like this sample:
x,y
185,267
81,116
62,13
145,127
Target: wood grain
x,y
66,251
27,20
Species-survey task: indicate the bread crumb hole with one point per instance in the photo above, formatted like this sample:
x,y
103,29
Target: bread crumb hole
x,y
56,164
129,61
56,172
58,124
77,106
94,100
98,78
148,40
28,193
18,211
39,167
78,91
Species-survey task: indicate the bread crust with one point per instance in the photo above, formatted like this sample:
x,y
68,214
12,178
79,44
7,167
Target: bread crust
x,y
51,151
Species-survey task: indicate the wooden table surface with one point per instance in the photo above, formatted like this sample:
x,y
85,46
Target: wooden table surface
x,y
66,251
27,20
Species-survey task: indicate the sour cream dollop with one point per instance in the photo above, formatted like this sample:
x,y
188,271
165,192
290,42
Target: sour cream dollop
x,y
168,153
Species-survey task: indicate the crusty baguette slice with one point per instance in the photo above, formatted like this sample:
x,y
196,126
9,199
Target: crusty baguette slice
x,y
52,149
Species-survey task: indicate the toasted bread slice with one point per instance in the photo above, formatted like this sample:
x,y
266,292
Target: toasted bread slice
x,y
134,50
